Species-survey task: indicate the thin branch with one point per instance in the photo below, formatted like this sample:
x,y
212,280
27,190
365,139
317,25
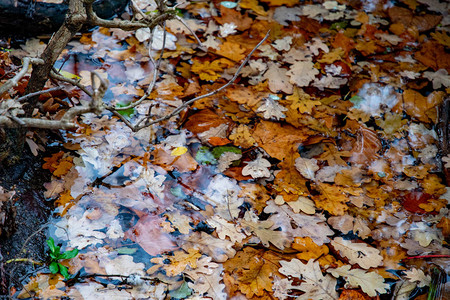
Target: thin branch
x,y
39,93
55,75
94,20
189,28
15,80
187,103
155,73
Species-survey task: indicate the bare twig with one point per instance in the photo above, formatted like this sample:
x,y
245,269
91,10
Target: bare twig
x,y
54,74
187,103
39,93
15,80
189,28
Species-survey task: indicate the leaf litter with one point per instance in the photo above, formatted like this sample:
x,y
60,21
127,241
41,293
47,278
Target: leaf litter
x,y
336,174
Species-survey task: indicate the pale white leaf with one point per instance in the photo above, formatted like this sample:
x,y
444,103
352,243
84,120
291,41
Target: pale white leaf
x,y
358,253
257,168
439,78
369,282
418,276
302,73
271,109
314,284
307,167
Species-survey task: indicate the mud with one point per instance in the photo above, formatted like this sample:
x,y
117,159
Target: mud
x,y
24,234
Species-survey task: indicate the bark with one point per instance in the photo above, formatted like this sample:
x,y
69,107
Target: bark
x,y
13,139
75,20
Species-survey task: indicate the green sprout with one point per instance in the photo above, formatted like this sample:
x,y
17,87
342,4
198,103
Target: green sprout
x,y
56,255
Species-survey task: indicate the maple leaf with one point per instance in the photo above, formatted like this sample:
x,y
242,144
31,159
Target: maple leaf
x,y
314,284
358,253
302,73
369,282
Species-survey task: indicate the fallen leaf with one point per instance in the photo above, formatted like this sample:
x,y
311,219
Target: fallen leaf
x,y
358,253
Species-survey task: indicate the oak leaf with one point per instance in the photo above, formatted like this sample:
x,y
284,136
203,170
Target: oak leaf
x,y
299,224
219,250
369,282
278,140
181,260
302,73
225,228
307,167
358,253
263,230
148,234
277,79
242,137
257,168
314,283
271,109
251,271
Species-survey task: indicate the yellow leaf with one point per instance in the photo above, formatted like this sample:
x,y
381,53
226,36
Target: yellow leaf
x,y
69,75
179,151
442,37
254,5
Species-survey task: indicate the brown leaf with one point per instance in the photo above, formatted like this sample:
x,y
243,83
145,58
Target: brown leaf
x,y
149,235
228,15
278,140
204,120
406,17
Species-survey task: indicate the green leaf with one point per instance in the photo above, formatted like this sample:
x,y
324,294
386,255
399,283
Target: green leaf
x,y
182,292
127,112
218,151
203,156
63,270
54,267
51,245
339,25
356,100
69,254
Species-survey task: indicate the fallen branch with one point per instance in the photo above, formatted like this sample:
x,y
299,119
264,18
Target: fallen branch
x,y
15,80
187,103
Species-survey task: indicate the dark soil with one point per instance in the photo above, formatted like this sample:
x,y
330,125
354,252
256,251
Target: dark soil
x,y
24,234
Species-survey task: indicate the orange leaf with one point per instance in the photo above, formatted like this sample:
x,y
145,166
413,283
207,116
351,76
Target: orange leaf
x,y
218,141
353,295
204,120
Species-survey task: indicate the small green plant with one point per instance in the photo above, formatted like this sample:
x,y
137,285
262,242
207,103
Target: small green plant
x,y
56,255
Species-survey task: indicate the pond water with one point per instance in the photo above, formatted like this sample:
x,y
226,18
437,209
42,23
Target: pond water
x,y
322,162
